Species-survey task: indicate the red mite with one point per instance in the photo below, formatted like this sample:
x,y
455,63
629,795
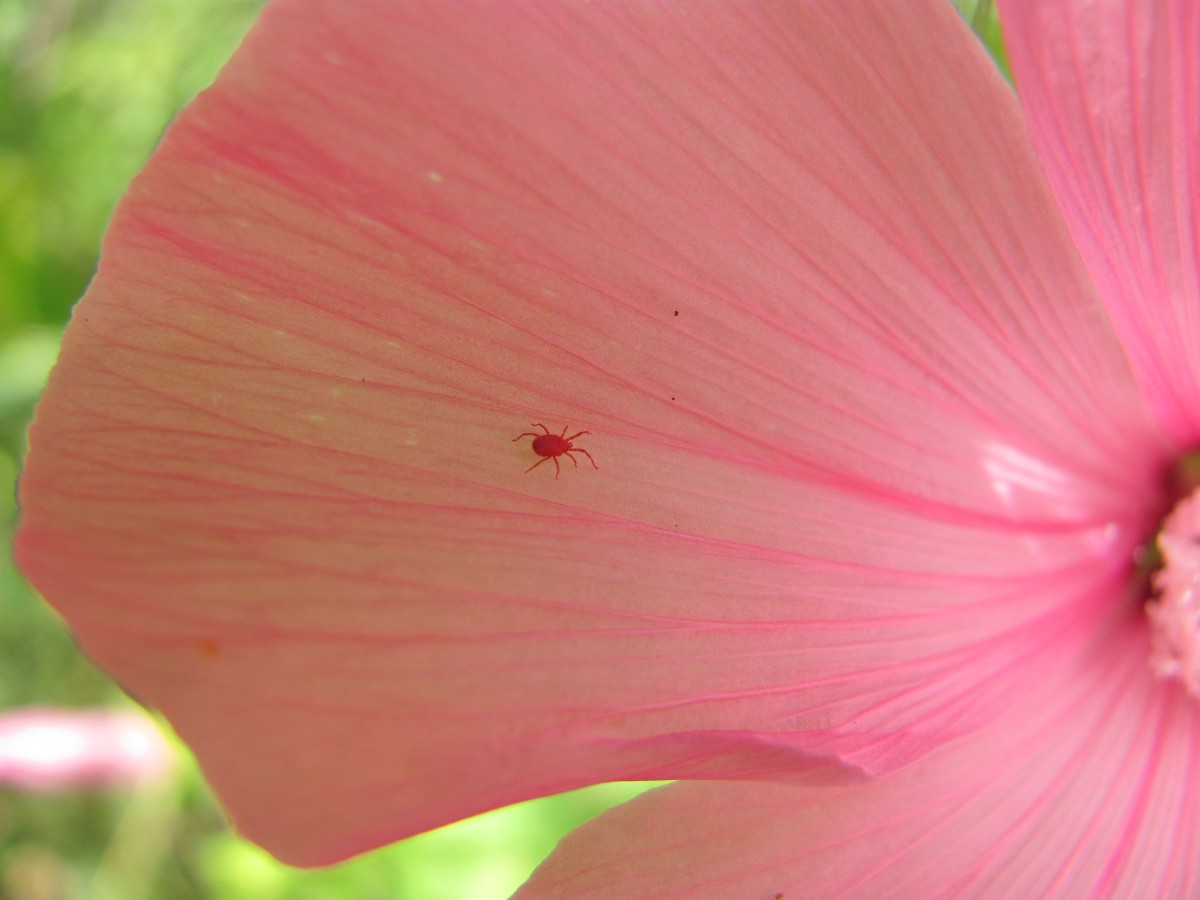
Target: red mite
x,y
552,446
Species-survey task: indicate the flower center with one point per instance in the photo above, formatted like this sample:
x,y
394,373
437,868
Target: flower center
x,y
1174,608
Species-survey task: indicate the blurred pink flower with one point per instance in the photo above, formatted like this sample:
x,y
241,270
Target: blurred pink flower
x,y
883,379
47,749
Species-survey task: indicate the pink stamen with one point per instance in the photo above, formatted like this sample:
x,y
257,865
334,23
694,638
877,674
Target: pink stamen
x,y
1174,613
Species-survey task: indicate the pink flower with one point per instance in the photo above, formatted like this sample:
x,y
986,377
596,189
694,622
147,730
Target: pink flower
x,y
45,749
882,380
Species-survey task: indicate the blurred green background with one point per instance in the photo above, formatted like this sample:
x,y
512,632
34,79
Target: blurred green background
x,y
86,88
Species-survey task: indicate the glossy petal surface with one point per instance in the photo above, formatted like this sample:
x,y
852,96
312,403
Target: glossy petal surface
x,y
870,461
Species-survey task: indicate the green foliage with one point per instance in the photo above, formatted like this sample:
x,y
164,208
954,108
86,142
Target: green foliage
x,y
87,87
981,15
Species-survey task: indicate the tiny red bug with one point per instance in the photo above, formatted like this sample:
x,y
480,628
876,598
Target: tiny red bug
x,y
551,446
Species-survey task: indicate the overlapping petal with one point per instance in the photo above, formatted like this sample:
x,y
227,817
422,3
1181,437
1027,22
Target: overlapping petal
x,y
871,461
1089,790
1112,93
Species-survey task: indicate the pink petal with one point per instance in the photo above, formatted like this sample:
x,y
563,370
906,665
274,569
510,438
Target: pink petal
x,y
44,749
1088,790
873,483
1112,92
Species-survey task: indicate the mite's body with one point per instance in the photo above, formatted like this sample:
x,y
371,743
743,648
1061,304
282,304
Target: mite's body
x,y
551,446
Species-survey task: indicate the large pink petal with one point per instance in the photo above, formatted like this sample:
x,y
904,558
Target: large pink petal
x,y
1091,789
1112,91
876,479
